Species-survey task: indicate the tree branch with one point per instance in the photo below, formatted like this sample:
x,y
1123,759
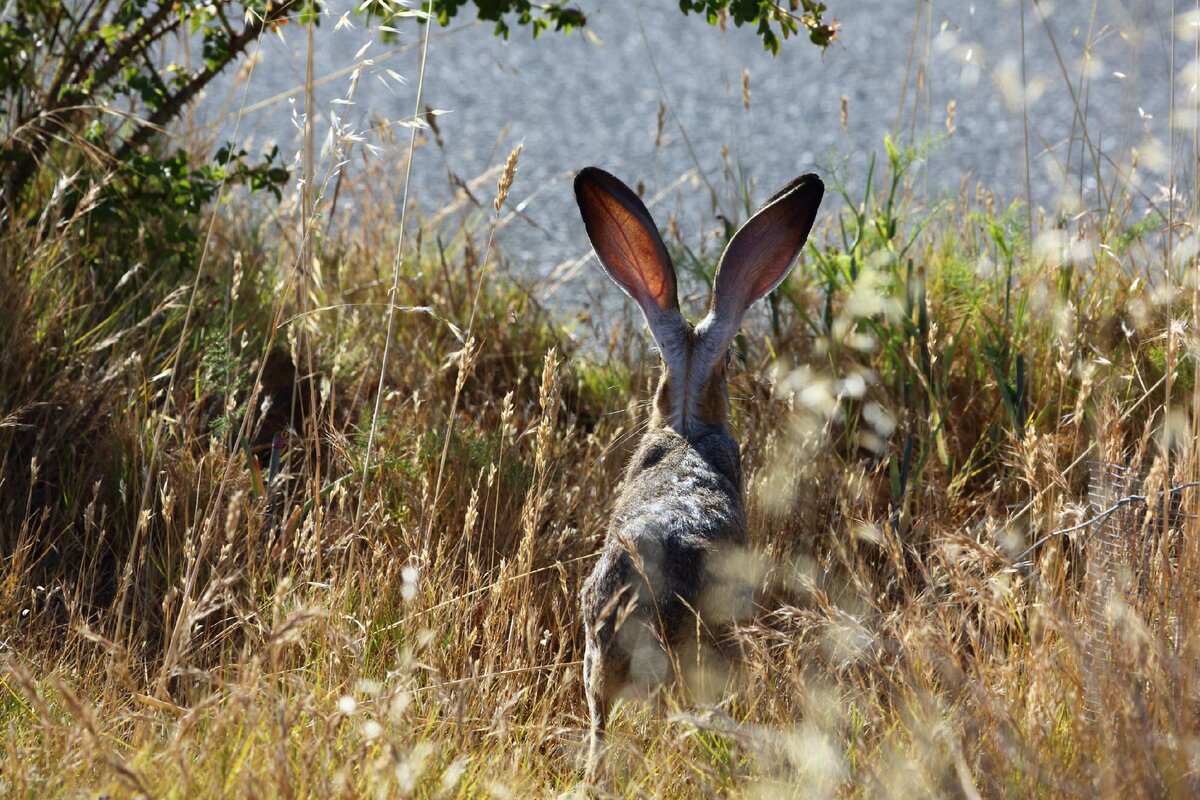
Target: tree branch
x,y
176,102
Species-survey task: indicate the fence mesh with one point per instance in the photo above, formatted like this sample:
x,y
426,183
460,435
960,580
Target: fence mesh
x,y
1131,550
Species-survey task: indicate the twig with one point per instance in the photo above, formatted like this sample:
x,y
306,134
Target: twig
x,y
1117,506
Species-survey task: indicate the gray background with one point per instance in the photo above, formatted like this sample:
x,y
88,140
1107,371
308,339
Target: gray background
x,y
594,96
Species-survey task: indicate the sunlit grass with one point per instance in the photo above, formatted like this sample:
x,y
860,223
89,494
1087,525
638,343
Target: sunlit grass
x,y
217,610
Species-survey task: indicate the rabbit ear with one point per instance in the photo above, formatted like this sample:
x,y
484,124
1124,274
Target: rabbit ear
x,y
626,240
760,255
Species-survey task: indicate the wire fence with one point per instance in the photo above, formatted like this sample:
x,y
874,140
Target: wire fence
x,y
1131,545
1132,551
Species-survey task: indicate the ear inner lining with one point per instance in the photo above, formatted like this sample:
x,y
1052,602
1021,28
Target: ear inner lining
x,y
626,240
761,253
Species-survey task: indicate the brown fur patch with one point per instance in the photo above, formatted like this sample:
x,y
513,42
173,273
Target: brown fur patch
x,y
713,408
710,410
662,399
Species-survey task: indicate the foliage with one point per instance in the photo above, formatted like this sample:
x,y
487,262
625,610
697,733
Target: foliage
x,y
763,14
770,19
538,16
83,87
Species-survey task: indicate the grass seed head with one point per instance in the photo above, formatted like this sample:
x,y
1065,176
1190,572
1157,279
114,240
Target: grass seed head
x,y
506,178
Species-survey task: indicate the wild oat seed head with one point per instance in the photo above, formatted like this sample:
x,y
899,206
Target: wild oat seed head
x,y
506,177
236,281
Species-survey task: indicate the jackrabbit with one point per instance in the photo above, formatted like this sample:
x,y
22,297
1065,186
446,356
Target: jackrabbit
x,y
663,582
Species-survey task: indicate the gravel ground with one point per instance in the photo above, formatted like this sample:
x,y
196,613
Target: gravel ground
x,y
594,97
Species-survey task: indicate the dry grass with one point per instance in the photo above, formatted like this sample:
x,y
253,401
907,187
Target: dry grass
x,y
194,605
250,638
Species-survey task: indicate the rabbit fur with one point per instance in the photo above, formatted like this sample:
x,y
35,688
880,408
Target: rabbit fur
x,y
668,575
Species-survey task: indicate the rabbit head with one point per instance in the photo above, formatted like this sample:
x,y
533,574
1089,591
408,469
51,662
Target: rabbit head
x,y
692,398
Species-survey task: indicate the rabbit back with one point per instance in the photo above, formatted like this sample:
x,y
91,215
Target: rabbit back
x,y
679,515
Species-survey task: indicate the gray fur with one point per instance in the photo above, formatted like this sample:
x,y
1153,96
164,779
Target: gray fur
x,y
681,503
659,580
670,574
